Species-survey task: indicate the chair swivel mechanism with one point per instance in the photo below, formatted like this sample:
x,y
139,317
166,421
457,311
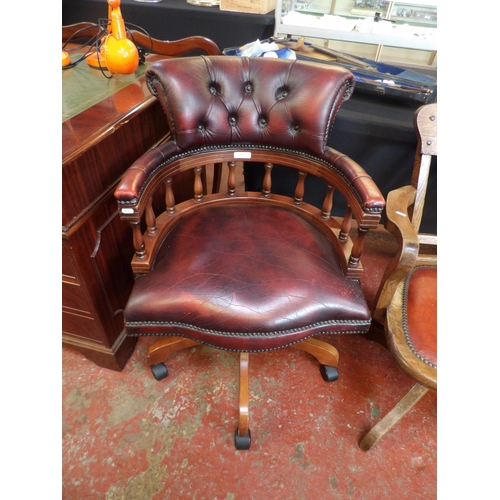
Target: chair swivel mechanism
x,y
247,272
407,297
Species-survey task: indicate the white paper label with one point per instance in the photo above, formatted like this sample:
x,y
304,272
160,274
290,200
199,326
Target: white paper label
x,y
127,210
243,154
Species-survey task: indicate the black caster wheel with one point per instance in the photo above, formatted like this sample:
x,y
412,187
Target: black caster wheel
x,y
160,371
329,373
242,442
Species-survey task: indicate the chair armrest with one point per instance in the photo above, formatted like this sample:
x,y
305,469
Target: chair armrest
x,y
398,223
130,187
357,181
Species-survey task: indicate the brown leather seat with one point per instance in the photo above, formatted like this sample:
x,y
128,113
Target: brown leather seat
x,y
420,313
246,271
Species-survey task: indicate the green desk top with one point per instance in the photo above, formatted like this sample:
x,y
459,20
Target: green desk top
x,y
83,86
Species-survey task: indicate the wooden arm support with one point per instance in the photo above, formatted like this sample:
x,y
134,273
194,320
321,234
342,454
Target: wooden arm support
x,y
398,223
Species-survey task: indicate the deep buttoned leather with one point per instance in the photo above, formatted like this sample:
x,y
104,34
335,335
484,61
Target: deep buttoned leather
x,y
223,101
231,100
246,278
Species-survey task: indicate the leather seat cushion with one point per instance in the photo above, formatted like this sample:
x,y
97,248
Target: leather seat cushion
x,y
248,278
420,306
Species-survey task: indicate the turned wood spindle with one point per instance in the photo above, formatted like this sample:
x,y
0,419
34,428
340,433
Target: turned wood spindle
x,y
140,251
150,217
346,225
231,179
198,184
326,209
169,197
357,249
299,190
266,185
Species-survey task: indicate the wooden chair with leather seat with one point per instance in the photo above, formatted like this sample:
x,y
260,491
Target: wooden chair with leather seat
x,y
244,271
407,298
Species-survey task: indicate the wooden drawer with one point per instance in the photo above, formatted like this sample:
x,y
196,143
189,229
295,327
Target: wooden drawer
x,y
74,299
68,271
80,326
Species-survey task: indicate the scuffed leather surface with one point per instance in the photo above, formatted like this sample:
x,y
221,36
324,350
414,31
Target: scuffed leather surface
x,y
231,100
246,278
420,313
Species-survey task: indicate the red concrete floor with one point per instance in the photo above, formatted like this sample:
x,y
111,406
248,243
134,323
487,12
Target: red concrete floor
x,y
127,436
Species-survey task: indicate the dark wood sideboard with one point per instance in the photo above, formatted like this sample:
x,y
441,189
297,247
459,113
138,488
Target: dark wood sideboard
x,y
98,145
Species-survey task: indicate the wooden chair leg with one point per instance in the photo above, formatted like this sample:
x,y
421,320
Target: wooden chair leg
x,y
242,436
392,418
325,353
162,349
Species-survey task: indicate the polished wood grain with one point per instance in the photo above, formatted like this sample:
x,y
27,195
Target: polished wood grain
x,y
324,352
243,413
175,48
98,145
162,349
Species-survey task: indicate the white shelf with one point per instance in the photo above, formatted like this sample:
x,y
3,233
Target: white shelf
x,y
354,36
411,38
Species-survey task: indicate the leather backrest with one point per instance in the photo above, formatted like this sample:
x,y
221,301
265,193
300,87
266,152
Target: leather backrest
x,y
224,100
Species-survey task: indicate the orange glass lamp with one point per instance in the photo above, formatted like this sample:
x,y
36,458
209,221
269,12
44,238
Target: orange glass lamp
x,y
116,53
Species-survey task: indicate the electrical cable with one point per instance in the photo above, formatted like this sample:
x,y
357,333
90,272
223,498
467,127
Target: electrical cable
x,y
95,42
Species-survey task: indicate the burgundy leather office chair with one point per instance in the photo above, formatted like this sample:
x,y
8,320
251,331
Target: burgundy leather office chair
x,y
247,271
407,298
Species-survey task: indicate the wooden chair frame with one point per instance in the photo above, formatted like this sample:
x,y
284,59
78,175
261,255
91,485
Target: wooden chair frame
x,y
147,243
403,217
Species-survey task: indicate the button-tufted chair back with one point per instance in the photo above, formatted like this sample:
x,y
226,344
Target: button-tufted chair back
x,y
247,271
231,100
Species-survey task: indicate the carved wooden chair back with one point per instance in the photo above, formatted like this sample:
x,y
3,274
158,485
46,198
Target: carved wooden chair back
x,y
194,44
407,299
237,270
